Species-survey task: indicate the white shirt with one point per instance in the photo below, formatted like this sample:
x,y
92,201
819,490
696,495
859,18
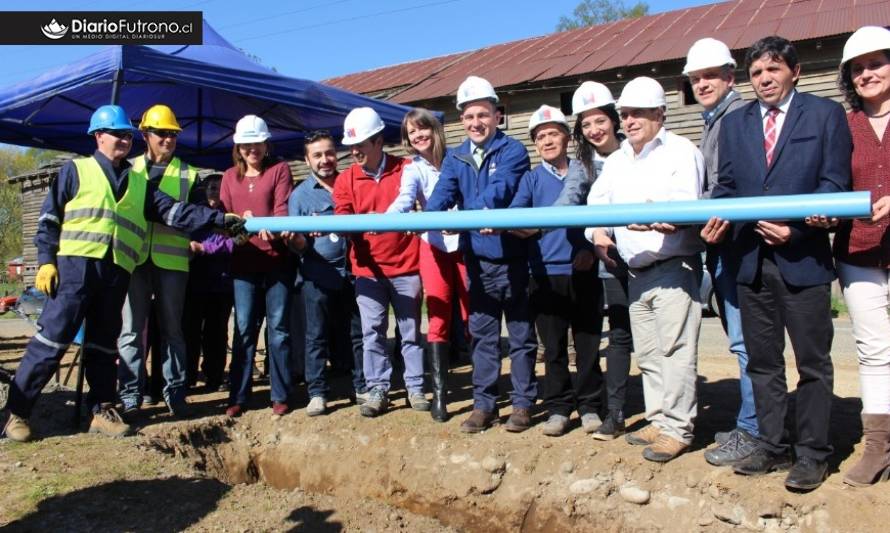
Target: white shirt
x,y
419,178
780,118
668,168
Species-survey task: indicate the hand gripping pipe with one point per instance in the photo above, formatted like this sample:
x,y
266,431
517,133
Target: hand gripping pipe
x,y
792,207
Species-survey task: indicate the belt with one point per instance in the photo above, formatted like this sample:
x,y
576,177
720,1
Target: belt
x,y
658,263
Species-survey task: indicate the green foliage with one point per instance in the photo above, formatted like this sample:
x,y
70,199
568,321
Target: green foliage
x,y
13,162
593,12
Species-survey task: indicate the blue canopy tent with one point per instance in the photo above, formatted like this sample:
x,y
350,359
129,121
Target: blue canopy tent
x,y
209,87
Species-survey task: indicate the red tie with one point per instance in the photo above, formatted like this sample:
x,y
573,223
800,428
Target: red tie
x,y
769,134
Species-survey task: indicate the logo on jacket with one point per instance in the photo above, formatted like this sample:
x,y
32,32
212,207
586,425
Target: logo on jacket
x,y
492,167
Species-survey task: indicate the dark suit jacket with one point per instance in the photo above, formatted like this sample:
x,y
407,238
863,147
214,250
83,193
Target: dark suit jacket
x,y
812,155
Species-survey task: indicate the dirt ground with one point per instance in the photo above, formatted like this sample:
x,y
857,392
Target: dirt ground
x,y
403,471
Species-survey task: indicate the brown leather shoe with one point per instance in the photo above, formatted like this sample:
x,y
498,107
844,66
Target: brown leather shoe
x,y
479,421
519,421
664,449
643,437
17,429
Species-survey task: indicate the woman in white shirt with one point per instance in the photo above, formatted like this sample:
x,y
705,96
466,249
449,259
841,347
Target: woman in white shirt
x,y
442,267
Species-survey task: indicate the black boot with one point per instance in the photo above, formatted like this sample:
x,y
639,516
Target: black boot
x,y
438,359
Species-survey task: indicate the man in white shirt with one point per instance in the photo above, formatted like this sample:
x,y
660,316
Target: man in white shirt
x,y
654,165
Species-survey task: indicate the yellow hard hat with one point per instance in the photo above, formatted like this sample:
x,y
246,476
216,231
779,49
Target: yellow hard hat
x,y
159,117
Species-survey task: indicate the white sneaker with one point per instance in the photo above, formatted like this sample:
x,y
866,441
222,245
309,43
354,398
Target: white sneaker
x,y
317,406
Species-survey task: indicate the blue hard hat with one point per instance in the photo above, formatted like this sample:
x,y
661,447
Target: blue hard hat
x,y
110,117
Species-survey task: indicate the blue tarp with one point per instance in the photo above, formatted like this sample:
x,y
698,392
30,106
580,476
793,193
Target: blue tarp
x,y
208,86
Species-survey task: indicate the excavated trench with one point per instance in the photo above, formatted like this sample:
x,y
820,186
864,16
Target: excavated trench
x,y
493,481
464,486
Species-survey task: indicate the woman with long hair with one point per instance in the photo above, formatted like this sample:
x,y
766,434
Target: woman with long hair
x,y
596,135
862,247
259,185
442,267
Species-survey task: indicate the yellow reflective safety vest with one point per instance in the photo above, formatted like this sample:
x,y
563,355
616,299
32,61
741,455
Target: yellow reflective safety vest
x,y
94,219
167,247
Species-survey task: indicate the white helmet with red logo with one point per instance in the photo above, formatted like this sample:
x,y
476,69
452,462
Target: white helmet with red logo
x,y
475,88
361,123
545,115
591,95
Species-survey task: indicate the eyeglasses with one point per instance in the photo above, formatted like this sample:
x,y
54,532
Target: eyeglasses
x,y
125,135
165,134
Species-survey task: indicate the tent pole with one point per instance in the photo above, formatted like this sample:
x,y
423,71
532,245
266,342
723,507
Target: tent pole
x,y
200,120
116,86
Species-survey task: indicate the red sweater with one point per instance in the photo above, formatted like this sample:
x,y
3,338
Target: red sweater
x,y
271,190
387,254
860,242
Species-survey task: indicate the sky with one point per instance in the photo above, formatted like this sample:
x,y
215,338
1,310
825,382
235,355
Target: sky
x,y
320,39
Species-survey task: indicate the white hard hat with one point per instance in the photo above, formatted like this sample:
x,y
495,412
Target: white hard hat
x,y
251,129
591,95
707,53
475,88
642,92
864,40
545,115
361,123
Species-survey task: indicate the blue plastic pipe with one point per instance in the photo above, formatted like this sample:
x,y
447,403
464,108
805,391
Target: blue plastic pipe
x,y
793,207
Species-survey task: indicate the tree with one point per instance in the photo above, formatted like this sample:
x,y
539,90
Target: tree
x,y
593,12
13,162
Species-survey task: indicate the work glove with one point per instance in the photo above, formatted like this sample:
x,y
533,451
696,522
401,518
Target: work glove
x,y
234,228
47,280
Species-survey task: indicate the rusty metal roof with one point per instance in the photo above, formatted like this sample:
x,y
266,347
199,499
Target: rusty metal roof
x,y
649,39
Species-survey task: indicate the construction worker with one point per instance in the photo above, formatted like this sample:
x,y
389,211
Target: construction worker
x,y
90,234
162,273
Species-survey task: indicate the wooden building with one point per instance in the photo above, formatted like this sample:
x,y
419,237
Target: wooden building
x,y
34,186
548,69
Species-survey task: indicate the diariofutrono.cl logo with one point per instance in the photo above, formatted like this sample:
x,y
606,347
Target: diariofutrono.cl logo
x,y
54,30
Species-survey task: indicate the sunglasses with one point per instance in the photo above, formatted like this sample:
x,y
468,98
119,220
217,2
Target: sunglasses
x,y
120,134
165,134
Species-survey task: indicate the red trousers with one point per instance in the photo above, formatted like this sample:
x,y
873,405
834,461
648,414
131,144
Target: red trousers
x,y
442,274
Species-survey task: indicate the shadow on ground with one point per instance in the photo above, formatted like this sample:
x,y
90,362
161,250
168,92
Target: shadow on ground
x,y
127,506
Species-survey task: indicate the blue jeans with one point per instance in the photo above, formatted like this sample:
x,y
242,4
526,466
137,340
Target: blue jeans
x,y
253,291
723,272
501,289
169,289
333,334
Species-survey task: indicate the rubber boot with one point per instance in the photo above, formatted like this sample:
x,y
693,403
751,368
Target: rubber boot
x,y
439,354
874,465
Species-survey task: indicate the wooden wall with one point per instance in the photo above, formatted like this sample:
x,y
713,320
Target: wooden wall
x,y
33,190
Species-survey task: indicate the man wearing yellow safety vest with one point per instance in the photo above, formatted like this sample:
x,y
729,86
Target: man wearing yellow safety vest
x,y
90,237
162,271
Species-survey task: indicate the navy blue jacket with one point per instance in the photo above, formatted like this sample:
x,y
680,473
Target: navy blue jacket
x,y
551,253
812,155
492,186
159,207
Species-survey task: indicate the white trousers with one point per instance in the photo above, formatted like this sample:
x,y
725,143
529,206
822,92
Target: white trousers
x,y
867,296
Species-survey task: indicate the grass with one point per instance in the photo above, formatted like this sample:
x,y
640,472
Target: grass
x,y
11,288
838,307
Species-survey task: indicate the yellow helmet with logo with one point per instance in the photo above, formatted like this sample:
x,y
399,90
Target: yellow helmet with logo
x,y
159,117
